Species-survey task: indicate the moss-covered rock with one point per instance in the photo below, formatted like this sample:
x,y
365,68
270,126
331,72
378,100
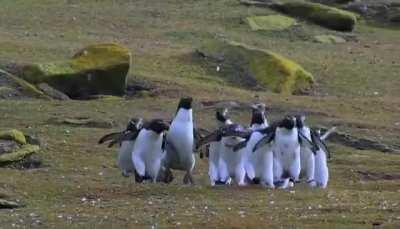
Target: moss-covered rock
x,y
97,69
13,135
12,86
256,67
323,15
270,22
329,39
19,154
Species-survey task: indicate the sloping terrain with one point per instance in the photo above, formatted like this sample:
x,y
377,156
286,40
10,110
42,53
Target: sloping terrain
x,y
79,186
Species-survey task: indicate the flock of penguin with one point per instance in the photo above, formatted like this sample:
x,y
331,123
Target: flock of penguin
x,y
273,155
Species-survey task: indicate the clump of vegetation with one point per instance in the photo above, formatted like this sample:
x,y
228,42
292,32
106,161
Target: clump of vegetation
x,y
323,15
252,67
270,22
14,146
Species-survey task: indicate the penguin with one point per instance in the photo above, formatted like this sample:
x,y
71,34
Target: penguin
x,y
321,171
258,117
230,164
180,141
215,150
307,156
286,141
257,163
125,140
148,150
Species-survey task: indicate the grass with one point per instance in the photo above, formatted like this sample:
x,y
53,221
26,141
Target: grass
x,y
162,36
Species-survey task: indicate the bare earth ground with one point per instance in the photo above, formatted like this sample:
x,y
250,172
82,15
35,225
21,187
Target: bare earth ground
x,y
80,187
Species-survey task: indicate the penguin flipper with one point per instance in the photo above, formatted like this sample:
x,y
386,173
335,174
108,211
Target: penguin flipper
x,y
267,139
109,137
328,133
305,142
320,143
213,137
198,134
239,146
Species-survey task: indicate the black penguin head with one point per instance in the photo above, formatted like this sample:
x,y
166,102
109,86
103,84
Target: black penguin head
x,y
289,122
257,117
157,125
185,103
300,121
222,116
134,124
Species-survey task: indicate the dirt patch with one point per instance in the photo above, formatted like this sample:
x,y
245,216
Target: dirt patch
x,y
360,142
82,122
375,176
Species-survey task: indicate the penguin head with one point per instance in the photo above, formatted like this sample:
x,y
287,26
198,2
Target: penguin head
x,y
257,117
158,126
300,121
134,124
185,103
222,116
259,106
289,122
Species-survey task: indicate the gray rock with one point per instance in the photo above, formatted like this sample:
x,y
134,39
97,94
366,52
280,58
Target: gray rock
x,y
51,92
9,204
7,146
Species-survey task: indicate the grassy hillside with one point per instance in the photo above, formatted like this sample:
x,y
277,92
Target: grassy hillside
x,y
80,187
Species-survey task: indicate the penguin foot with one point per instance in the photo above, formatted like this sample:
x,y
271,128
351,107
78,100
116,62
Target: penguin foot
x,y
256,180
125,174
188,179
219,182
312,183
282,184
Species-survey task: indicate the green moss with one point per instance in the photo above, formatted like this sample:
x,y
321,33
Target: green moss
x,y
329,39
14,135
270,22
266,68
97,69
19,154
323,15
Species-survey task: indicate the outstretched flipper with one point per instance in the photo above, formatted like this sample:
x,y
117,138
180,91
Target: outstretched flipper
x,y
305,142
327,133
267,139
318,141
109,137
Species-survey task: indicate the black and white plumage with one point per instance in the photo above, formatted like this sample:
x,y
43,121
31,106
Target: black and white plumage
x,y
307,156
148,150
180,141
321,171
215,150
284,139
230,163
258,164
126,140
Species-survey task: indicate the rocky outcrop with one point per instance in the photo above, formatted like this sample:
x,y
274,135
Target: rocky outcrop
x,y
97,69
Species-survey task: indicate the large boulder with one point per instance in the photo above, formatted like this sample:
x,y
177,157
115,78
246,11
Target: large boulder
x,y
270,22
323,15
255,68
97,69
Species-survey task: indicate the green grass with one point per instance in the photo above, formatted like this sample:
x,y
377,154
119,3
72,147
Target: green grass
x,y
162,36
